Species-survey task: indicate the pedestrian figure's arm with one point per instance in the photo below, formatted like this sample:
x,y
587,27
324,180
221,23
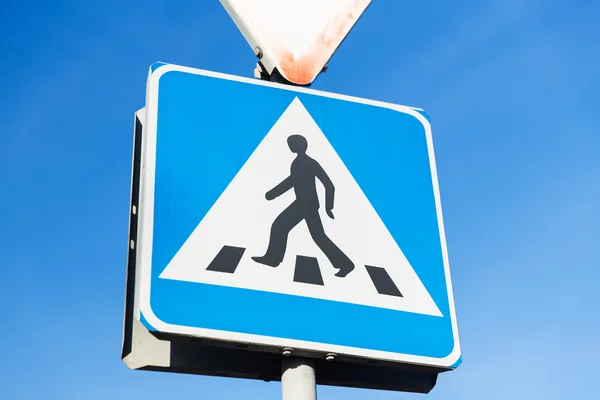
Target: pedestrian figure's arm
x,y
280,189
329,189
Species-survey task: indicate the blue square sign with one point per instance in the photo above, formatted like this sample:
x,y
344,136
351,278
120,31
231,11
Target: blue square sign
x,y
287,217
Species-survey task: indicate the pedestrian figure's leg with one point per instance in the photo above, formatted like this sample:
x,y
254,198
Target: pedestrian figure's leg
x,y
283,224
336,256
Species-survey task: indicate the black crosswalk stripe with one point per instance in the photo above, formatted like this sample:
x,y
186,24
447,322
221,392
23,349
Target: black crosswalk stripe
x,y
227,260
307,270
382,281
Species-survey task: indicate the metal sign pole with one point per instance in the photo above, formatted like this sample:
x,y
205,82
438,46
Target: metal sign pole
x,y
298,379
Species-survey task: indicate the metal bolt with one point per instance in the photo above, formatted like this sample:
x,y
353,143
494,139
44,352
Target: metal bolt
x,y
258,52
287,352
330,357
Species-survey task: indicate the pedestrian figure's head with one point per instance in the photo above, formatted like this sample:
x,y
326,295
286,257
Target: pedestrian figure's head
x,y
297,144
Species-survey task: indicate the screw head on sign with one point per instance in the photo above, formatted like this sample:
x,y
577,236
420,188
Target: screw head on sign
x,y
287,352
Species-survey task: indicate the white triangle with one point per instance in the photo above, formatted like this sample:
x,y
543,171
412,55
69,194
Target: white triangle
x,y
242,217
296,36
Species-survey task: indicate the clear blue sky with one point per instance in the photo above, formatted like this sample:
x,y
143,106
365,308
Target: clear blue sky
x,y
511,87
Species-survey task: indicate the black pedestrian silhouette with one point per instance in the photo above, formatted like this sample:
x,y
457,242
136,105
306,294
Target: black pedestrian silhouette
x,y
303,174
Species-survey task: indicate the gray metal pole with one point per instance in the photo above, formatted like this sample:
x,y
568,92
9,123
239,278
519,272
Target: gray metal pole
x,y
298,379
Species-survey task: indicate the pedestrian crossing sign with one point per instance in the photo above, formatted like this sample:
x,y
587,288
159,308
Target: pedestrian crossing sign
x,y
289,218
